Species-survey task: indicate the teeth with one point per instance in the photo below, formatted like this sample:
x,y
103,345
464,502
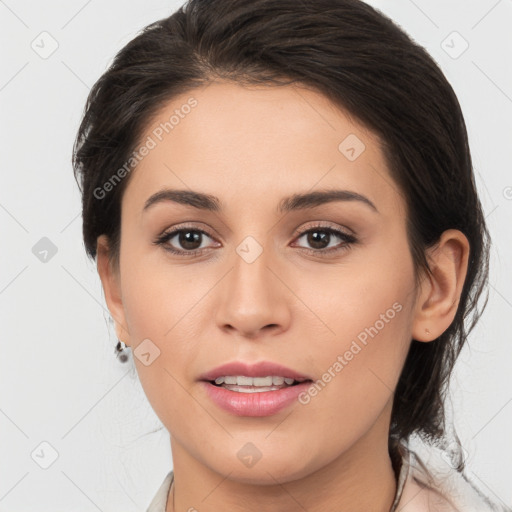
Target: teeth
x,y
260,381
254,389
241,380
244,381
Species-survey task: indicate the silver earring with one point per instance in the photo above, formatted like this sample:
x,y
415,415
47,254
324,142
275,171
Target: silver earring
x,y
121,351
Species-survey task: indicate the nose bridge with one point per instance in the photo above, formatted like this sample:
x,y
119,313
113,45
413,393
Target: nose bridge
x,y
250,277
254,297
253,253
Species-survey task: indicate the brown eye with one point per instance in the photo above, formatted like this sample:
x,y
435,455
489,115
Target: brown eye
x,y
183,241
189,239
320,238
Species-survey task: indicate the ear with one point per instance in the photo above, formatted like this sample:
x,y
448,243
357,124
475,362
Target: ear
x,y
110,281
439,293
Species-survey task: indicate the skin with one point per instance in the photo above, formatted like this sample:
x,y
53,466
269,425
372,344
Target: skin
x,y
250,147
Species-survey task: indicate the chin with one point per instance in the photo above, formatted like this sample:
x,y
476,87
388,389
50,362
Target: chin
x,y
266,471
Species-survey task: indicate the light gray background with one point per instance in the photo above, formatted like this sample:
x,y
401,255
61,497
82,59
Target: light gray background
x,y
60,382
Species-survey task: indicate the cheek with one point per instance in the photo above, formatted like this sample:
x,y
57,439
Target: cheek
x,y
366,316
368,295
162,304
356,377
155,296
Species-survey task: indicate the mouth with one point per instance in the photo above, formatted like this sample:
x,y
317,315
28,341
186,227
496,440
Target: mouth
x,y
254,389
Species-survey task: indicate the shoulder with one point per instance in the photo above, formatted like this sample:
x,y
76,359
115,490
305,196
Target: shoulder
x,y
428,483
159,501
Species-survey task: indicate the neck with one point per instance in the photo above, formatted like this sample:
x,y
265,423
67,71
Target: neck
x,y
359,479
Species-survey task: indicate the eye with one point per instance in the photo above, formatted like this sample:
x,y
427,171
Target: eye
x,y
320,238
189,241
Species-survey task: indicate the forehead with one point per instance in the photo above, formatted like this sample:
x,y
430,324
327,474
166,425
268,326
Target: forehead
x,y
246,145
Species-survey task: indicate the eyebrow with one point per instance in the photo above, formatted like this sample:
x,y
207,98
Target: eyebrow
x,y
208,202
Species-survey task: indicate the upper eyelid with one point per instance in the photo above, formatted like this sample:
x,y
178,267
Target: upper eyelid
x,y
324,225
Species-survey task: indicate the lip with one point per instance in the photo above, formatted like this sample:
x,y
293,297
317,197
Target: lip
x,y
264,403
261,403
260,369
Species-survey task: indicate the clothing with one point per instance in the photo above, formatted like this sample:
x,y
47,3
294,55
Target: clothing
x,y
426,483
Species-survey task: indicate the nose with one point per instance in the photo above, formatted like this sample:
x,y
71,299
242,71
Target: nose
x,y
254,299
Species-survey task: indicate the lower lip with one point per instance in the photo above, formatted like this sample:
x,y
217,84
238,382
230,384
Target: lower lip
x,y
264,403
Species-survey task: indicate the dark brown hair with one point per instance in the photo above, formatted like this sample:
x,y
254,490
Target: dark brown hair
x,y
362,62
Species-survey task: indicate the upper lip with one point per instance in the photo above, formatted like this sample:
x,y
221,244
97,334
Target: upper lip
x,y
260,369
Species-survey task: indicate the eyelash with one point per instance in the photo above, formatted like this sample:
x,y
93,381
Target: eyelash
x,y
348,240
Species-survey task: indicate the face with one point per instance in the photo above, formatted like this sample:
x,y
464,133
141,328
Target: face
x,y
323,286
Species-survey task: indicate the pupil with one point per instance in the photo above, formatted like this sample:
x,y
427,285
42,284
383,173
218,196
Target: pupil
x,y
318,239
187,242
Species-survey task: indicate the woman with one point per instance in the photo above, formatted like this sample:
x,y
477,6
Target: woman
x,y
290,241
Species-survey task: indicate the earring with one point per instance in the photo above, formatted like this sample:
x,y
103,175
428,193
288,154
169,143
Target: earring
x,y
427,331
121,351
